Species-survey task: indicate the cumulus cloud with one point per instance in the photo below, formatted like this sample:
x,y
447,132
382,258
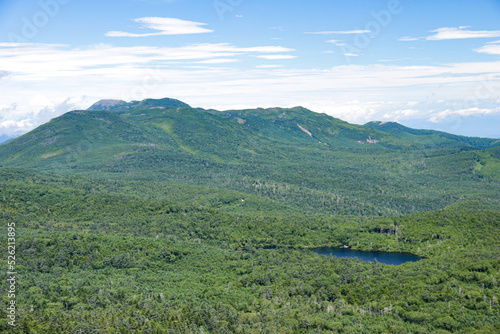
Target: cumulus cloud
x,y
164,26
440,116
492,49
11,124
19,118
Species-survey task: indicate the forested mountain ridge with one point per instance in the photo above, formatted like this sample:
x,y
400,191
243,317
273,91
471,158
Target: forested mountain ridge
x,y
291,155
436,137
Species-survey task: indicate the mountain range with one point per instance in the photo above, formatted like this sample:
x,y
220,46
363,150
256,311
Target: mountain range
x,y
293,156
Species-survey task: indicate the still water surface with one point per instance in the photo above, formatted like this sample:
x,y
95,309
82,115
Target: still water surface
x,y
383,257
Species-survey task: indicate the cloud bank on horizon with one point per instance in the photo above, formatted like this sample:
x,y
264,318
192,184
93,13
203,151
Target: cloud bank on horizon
x,y
387,60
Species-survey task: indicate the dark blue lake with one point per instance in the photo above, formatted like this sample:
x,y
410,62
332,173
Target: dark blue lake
x,y
383,257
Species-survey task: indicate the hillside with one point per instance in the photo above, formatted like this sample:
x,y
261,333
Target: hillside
x,y
293,156
433,137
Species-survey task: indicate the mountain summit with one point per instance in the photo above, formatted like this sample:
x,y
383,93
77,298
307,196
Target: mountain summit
x,y
107,104
119,105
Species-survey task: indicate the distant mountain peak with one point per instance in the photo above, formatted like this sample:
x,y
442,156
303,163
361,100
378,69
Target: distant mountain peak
x,y
106,104
119,105
165,102
382,123
431,137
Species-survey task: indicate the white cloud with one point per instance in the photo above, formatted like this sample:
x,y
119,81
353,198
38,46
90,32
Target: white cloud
x,y
42,78
268,66
336,42
447,33
408,39
440,116
460,33
164,26
13,128
405,113
26,123
16,119
351,54
276,57
43,61
342,32
389,60
269,49
492,49
218,61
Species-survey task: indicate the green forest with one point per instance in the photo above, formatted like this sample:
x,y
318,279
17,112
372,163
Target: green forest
x,y
155,217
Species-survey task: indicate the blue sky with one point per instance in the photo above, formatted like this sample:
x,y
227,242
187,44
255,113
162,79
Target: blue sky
x,y
426,64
